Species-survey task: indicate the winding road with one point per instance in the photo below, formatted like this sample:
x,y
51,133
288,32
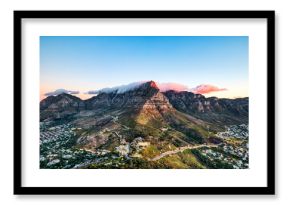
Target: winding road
x,y
181,149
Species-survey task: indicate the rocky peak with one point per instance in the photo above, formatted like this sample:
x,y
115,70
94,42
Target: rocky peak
x,y
152,84
149,86
146,95
60,106
61,100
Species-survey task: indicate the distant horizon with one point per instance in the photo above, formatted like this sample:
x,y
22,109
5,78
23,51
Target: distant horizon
x,y
216,65
85,96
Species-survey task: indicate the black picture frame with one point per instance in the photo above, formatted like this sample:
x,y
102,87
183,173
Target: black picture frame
x,y
268,190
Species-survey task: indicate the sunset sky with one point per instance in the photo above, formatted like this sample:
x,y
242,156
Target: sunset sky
x,y
210,65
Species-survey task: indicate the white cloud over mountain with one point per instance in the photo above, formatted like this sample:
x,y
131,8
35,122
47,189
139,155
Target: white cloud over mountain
x,y
119,89
60,91
200,89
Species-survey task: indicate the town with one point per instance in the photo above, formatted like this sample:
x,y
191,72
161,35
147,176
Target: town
x,y
58,149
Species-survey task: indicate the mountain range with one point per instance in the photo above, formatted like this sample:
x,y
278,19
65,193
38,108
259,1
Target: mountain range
x,y
147,96
163,119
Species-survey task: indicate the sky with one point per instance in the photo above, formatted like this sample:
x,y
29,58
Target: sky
x,y
210,65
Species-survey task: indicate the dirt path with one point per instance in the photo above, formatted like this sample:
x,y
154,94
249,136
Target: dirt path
x,y
181,149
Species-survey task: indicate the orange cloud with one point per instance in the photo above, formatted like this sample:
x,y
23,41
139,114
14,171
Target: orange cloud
x,y
171,86
204,89
200,89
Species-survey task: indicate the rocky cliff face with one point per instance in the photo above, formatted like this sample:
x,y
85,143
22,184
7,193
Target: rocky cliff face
x,y
157,101
207,108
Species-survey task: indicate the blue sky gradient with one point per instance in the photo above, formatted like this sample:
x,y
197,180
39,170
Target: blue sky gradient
x,y
93,62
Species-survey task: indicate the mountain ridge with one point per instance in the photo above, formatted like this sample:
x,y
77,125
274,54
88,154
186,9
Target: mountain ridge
x,y
148,96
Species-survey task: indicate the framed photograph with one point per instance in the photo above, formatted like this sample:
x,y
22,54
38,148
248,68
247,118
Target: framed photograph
x,y
144,102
